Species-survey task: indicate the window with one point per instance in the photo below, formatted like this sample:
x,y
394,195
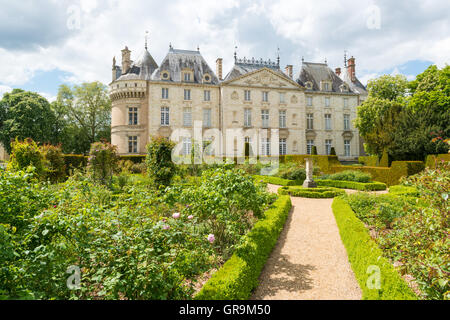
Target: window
x,y
282,97
327,101
346,122
207,95
187,94
283,150
326,86
345,102
265,96
165,75
309,146
328,146
187,146
165,93
265,146
187,117
247,117
310,121
265,118
132,144
207,118
247,95
187,77
282,118
309,101
347,148
132,116
165,116
327,121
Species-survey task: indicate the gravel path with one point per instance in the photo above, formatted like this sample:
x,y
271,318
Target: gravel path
x,y
309,260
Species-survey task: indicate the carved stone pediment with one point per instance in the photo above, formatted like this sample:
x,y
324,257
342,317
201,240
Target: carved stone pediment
x,y
283,133
235,95
164,131
310,134
294,99
264,78
348,135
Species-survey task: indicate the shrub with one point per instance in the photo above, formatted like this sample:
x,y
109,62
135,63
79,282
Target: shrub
x,y
349,175
433,159
384,161
332,151
124,166
370,161
319,192
102,162
314,151
363,253
159,160
55,168
371,186
278,181
239,275
404,191
74,161
138,168
135,158
26,153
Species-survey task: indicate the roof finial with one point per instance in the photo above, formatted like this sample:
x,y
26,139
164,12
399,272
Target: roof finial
x,y
325,60
198,48
235,53
146,39
303,59
170,46
278,57
345,58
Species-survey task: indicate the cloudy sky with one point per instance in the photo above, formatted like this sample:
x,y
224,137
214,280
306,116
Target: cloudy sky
x,y
44,43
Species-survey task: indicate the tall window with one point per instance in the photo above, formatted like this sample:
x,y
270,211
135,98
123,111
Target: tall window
x,y
207,95
247,117
346,122
347,148
326,86
265,146
247,96
282,118
309,146
327,101
283,149
207,118
328,144
187,94
187,77
282,97
165,93
265,118
327,121
165,116
187,145
345,102
187,117
132,116
132,144
309,101
265,96
310,121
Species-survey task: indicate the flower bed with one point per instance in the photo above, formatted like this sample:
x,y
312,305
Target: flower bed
x,y
239,275
319,192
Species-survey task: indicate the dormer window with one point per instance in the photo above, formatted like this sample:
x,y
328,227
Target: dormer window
x,y
165,75
309,85
187,75
206,78
326,85
343,87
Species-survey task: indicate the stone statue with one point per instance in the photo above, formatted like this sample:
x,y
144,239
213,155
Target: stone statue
x,y
309,181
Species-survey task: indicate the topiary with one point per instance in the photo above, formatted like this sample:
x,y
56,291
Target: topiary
x,y
314,151
384,161
102,162
159,161
332,151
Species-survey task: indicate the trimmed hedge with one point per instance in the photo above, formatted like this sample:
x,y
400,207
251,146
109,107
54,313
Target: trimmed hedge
x,y
363,253
370,161
323,162
75,161
317,193
404,191
369,186
135,158
431,159
239,275
278,181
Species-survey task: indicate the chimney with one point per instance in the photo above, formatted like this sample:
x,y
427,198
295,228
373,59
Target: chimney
x,y
288,71
351,69
114,70
126,60
338,72
219,68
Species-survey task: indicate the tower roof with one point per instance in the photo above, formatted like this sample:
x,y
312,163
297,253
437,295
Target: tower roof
x,y
142,69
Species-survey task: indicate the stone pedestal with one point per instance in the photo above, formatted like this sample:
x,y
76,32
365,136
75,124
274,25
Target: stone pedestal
x,y
309,181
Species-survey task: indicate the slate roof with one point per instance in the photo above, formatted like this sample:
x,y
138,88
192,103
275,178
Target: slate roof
x,y
176,60
243,66
142,69
317,72
356,86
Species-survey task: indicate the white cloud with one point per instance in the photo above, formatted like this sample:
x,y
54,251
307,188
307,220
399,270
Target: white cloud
x,y
316,29
4,89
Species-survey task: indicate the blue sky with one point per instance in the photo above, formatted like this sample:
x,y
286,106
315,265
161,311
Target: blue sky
x,y
45,43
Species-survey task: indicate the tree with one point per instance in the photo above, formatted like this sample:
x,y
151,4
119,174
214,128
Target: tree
x,y
159,160
88,115
23,115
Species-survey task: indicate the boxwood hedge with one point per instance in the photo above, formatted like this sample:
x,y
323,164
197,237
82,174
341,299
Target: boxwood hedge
x,y
239,275
278,181
320,192
369,186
